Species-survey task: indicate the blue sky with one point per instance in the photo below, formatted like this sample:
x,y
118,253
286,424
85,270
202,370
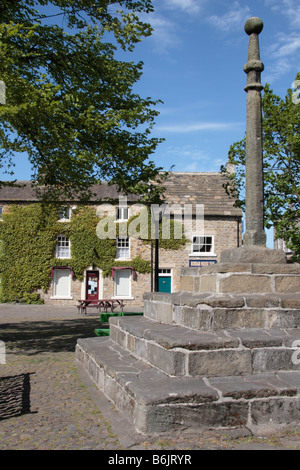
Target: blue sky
x,y
194,63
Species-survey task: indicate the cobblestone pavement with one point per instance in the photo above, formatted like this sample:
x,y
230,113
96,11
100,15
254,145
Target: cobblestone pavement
x,y
47,402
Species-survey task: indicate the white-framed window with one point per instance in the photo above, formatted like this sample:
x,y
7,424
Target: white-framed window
x,y
123,247
64,213
203,245
63,249
62,283
122,213
164,272
122,283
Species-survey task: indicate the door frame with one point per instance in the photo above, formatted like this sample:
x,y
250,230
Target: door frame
x,y
84,283
168,274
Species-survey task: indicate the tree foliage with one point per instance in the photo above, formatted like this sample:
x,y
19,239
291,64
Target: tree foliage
x,y
281,160
70,103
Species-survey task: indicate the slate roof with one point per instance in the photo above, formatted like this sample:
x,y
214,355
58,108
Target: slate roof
x,y
24,192
201,188
181,188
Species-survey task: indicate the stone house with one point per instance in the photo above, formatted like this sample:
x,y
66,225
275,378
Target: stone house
x,y
195,201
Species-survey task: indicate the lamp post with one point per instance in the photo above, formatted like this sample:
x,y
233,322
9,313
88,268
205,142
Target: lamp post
x,y
157,212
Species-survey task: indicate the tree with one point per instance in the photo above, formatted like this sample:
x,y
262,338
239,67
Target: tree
x,y
70,104
281,160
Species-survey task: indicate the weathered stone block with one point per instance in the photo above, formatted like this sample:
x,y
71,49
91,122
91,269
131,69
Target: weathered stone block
x,y
219,362
187,283
140,348
237,387
258,337
208,283
258,268
263,301
284,318
275,411
164,312
273,359
287,284
253,254
224,301
239,283
290,302
196,318
212,415
239,318
171,362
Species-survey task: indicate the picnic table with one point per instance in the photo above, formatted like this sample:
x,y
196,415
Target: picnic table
x,y
101,304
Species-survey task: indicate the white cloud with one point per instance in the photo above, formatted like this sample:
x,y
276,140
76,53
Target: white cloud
x,y
188,6
192,158
165,33
234,17
284,56
288,8
288,45
185,128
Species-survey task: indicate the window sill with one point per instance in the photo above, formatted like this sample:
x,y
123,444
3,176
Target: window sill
x,y
65,297
123,259
122,298
197,255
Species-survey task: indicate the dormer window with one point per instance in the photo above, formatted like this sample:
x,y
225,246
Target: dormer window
x,y
122,213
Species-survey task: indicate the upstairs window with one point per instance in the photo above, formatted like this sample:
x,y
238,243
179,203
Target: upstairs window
x,y
64,213
203,245
63,247
122,213
123,247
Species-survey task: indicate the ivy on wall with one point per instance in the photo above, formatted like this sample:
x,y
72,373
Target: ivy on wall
x,y
28,237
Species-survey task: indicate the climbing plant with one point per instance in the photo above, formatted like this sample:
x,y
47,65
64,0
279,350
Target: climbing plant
x,y
28,237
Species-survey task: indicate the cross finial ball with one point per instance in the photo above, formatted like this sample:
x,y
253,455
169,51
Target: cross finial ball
x,y
254,25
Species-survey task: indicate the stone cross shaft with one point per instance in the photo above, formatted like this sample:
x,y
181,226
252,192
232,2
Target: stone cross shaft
x,y
254,234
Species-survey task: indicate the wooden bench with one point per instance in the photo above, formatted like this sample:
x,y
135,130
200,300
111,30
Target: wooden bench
x,y
101,304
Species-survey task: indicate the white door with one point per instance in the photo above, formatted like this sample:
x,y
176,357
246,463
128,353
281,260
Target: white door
x,y
123,283
62,282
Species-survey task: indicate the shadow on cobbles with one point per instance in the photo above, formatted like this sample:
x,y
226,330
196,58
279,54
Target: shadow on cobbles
x,y
33,337
14,396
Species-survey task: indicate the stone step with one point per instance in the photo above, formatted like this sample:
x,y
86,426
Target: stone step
x,y
157,403
208,311
180,351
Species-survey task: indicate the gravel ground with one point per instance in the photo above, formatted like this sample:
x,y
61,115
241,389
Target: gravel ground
x,y
48,403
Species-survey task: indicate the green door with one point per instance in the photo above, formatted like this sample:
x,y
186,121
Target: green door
x,y
164,284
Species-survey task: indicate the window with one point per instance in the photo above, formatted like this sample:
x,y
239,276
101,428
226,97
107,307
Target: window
x,y
122,282
123,248
1,211
164,271
203,245
122,213
63,247
64,213
61,283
